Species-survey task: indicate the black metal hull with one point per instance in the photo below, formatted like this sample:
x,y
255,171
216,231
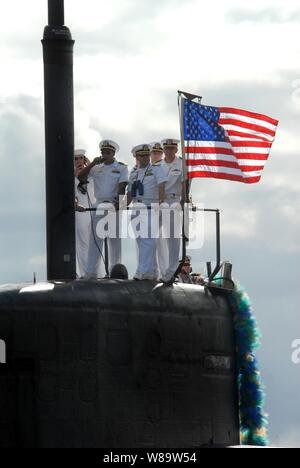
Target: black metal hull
x,y
117,364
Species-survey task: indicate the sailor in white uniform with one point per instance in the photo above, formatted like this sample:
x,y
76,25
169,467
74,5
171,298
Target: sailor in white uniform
x,y
146,191
84,198
110,179
157,156
169,244
156,152
82,218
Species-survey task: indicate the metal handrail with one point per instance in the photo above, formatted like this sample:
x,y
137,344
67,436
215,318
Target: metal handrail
x,y
218,235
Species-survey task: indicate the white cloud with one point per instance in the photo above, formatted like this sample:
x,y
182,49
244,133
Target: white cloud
x,y
85,136
296,94
21,76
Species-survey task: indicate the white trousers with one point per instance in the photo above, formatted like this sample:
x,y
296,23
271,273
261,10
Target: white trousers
x,y
96,252
169,241
83,232
147,261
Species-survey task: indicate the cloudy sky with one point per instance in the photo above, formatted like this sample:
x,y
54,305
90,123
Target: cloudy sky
x,y
131,57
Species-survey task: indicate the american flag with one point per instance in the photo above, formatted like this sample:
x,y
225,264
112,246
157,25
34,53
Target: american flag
x,y
226,143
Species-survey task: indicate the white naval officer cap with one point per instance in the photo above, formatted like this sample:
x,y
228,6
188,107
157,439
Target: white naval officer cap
x,y
141,150
170,143
109,144
79,152
156,147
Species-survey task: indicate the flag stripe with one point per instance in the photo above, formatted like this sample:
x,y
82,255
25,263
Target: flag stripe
x,y
212,144
228,164
235,152
216,163
252,168
251,144
240,112
252,156
228,145
227,170
236,136
209,150
226,157
248,120
220,175
257,135
238,123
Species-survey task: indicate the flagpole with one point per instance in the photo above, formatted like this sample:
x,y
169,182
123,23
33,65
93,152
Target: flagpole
x,y
184,165
182,96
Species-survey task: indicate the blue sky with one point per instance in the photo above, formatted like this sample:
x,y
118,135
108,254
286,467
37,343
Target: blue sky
x,y
131,57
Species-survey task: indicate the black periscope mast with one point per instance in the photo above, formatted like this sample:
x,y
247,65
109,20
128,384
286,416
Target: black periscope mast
x,y
109,363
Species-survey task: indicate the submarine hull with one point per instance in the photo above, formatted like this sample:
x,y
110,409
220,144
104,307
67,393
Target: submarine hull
x,y
115,364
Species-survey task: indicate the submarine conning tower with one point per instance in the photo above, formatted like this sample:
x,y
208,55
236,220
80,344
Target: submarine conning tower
x,y
110,363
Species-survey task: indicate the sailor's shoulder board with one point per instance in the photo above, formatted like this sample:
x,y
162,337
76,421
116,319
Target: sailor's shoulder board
x,y
122,163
